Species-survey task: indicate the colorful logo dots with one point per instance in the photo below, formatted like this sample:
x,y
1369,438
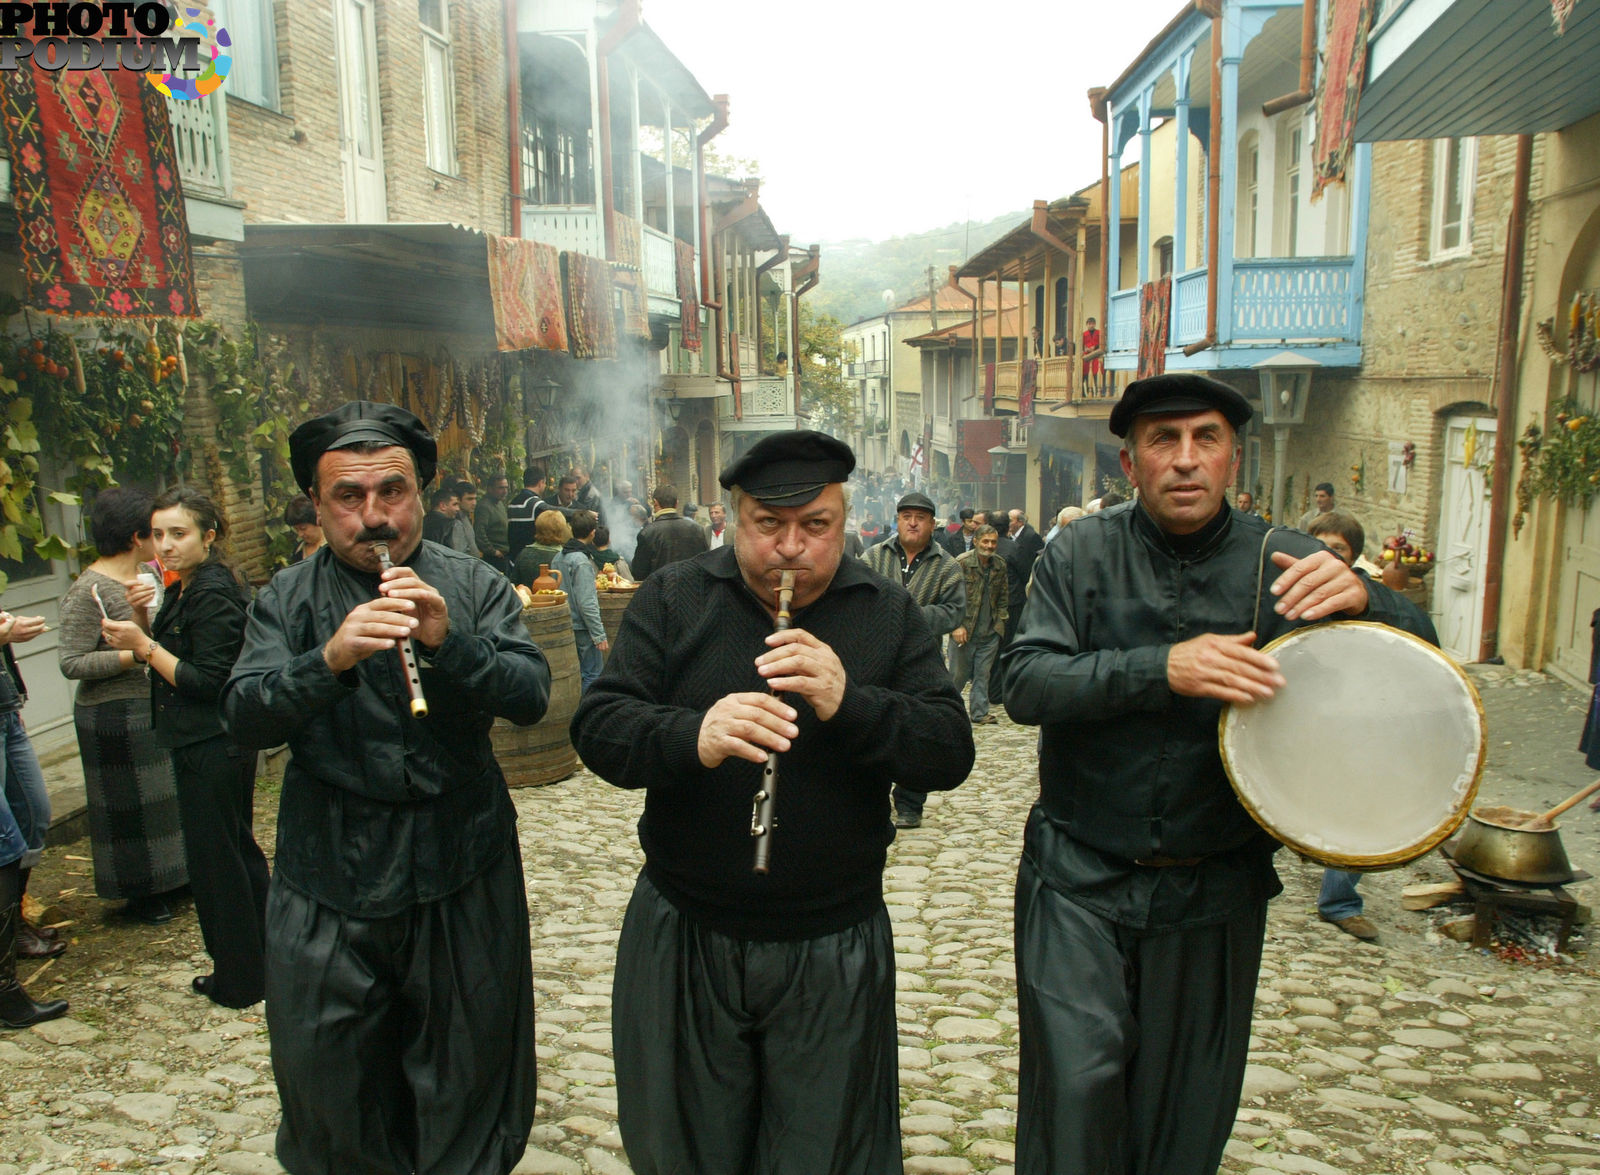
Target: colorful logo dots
x,y
215,44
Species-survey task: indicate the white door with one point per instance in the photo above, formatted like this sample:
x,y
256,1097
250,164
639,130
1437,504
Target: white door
x,y
1578,574
360,122
1462,549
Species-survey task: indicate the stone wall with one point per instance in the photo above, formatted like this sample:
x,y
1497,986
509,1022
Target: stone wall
x,y
286,162
1428,348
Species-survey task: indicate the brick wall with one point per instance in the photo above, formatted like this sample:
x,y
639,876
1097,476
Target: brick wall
x,y
286,163
1428,347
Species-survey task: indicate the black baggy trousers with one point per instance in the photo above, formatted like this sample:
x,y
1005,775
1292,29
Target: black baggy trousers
x,y
227,869
1133,1042
404,1044
737,1057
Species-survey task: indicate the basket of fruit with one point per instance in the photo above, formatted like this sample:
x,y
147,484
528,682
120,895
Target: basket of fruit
x,y
1401,556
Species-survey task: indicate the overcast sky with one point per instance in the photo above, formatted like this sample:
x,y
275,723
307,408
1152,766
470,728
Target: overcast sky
x,y
880,118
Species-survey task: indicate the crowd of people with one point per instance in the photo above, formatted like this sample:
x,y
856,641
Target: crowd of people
x,y
767,686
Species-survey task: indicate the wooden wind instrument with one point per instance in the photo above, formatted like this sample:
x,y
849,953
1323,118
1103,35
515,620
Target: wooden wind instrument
x,y
407,651
762,815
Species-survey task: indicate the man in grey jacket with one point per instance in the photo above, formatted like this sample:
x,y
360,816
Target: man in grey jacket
x,y
930,573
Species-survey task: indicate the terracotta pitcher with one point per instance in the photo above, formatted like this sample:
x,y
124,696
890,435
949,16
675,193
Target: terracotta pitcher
x,y
546,580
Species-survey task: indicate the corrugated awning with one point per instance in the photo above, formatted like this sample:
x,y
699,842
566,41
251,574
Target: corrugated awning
x,y
417,276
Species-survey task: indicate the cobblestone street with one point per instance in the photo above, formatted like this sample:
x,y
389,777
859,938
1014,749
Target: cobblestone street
x,y
1415,1055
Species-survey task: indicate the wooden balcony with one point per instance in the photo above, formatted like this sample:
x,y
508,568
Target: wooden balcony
x,y
573,228
660,265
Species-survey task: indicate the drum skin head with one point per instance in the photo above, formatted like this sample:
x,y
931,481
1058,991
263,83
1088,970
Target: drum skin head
x,y
1369,757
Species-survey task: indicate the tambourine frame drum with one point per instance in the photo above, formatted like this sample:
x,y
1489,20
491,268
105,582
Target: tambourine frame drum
x,y
1369,757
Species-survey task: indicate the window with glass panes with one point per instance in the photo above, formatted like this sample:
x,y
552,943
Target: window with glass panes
x,y
1455,170
254,75
438,86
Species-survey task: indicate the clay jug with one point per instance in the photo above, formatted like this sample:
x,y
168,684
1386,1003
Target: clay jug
x,y
1395,577
546,580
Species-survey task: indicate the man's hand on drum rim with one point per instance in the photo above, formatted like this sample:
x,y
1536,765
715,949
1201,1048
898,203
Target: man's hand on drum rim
x,y
1222,666
1317,587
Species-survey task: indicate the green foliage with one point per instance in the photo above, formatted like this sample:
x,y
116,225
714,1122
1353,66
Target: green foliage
x,y
1562,463
823,392
855,273
109,410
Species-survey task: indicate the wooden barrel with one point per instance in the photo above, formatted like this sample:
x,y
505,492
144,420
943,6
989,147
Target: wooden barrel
x,y
542,753
612,606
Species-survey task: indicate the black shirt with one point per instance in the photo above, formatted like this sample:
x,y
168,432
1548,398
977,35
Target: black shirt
x,y
691,636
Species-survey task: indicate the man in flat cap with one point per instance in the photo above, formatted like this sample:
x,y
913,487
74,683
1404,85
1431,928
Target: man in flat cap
x,y
1142,893
399,984
753,1013
937,583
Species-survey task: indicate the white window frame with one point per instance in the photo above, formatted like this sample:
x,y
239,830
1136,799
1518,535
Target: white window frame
x,y
252,29
439,95
1467,170
1291,174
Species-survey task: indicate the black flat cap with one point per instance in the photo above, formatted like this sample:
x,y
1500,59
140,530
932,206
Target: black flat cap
x,y
914,501
357,421
1178,392
790,468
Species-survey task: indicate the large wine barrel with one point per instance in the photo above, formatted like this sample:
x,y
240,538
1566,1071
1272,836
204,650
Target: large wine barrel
x,y
612,606
542,753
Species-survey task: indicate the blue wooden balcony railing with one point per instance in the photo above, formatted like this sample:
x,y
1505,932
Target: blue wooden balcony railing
x,y
1285,298
1188,308
1122,331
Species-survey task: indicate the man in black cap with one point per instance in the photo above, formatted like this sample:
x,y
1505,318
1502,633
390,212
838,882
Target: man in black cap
x,y
669,537
399,984
1142,893
753,1013
930,573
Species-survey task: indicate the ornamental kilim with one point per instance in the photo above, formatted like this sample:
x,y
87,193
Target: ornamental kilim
x,y
100,212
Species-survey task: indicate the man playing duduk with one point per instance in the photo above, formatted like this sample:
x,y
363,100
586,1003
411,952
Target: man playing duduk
x,y
753,1013
399,983
1143,887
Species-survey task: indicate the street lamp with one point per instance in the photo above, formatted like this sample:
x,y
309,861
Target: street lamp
x,y
1285,387
544,392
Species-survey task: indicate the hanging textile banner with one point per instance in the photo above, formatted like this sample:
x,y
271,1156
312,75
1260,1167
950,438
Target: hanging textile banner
x,y
988,389
100,212
1155,314
690,313
525,289
591,302
629,269
1344,68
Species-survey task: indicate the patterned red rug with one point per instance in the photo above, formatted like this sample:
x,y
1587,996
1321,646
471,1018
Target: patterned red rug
x,y
628,275
1155,320
1339,90
525,289
99,203
690,312
591,307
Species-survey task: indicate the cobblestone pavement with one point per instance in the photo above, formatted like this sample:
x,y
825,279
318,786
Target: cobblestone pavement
x,y
1416,1055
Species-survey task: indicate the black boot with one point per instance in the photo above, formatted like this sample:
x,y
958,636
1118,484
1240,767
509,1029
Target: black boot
x,y
16,1009
35,942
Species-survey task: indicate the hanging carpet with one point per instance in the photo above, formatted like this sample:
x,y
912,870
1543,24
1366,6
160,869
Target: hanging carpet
x,y
100,211
629,275
1155,315
1027,386
591,307
1344,67
525,288
988,389
690,314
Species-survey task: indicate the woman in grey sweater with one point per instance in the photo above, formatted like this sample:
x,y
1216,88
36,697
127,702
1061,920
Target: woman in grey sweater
x,y
134,826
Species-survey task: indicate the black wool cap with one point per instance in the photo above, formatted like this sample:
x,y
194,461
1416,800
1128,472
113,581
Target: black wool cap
x,y
790,468
1178,392
914,501
353,423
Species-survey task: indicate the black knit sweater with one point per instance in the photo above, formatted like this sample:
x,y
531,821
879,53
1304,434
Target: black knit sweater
x,y
691,636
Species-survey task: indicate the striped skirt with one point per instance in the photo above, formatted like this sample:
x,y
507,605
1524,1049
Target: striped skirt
x,y
134,828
